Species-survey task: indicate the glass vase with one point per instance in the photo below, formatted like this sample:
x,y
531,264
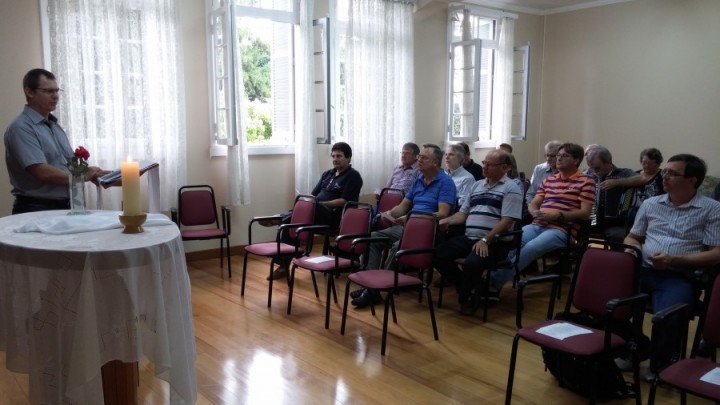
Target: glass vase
x,y
76,183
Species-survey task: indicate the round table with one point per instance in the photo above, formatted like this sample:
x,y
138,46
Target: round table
x,y
70,303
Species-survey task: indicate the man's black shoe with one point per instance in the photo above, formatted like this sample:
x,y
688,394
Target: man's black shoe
x,y
357,293
366,298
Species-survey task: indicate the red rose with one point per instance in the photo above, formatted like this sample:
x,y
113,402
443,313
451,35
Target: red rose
x,y
82,153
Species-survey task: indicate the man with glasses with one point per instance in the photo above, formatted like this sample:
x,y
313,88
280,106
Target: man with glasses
x,y
492,207
37,149
565,196
454,157
543,170
405,173
431,192
677,232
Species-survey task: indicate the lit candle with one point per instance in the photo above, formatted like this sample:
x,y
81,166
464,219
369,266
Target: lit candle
x,y
130,187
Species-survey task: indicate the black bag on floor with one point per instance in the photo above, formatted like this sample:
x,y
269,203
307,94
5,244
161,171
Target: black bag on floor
x,y
575,372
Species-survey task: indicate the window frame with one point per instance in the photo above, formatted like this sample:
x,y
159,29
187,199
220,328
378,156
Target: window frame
x,y
232,11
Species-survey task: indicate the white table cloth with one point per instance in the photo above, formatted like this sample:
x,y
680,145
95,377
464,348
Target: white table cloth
x,y
70,303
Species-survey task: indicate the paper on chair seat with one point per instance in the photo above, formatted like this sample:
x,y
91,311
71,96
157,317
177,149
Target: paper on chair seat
x,y
95,221
712,376
320,259
563,330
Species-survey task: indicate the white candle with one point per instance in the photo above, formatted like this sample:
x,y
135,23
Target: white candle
x,y
130,187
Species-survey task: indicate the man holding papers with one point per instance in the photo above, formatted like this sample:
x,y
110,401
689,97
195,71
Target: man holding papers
x,y
432,192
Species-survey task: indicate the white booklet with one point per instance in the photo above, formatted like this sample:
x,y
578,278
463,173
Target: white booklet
x,y
320,259
712,376
563,330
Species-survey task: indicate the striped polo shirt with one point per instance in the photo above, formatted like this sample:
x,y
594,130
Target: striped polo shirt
x,y
677,230
565,194
487,205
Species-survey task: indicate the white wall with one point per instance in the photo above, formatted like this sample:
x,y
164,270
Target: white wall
x,y
635,75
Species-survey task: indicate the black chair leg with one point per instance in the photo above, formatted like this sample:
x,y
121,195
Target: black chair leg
x,y
227,245
242,284
385,321
291,285
345,305
317,294
330,286
432,313
511,371
270,284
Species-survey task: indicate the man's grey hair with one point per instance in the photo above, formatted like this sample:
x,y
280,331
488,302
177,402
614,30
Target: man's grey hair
x,y
553,145
437,153
601,153
412,147
458,149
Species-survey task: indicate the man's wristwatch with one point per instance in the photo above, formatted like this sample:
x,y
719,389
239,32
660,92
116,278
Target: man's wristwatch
x,y
484,240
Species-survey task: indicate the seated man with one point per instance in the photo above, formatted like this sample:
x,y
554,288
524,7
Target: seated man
x,y
454,156
469,164
432,192
405,173
565,196
543,170
336,186
678,232
493,206
609,219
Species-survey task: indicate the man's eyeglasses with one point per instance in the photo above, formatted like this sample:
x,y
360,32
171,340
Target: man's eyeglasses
x,y
484,163
670,173
550,156
423,157
49,91
563,155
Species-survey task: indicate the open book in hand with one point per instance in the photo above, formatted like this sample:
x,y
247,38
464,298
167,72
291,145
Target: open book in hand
x,y
116,175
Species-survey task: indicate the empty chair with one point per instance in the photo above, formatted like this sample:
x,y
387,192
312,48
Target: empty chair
x,y
694,375
288,244
414,255
603,290
354,223
197,217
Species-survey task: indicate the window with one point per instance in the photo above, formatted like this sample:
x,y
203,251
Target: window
x,y
478,71
251,57
521,83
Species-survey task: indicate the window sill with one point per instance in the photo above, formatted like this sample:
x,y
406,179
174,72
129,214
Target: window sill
x,y
221,150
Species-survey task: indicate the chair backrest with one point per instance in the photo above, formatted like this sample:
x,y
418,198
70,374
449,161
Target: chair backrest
x,y
419,233
389,198
711,324
356,219
196,206
602,275
303,213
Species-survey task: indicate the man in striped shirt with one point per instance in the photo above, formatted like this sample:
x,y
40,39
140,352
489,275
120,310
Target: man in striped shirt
x,y
678,232
493,205
567,195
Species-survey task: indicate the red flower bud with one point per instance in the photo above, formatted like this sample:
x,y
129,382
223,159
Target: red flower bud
x,y
82,153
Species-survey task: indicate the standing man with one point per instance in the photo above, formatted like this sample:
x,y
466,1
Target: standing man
x,y
493,206
431,192
37,149
405,173
454,157
678,233
609,218
543,170
565,196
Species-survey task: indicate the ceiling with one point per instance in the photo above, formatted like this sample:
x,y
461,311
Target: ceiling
x,y
540,7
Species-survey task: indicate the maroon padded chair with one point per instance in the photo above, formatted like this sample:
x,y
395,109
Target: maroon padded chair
x,y
686,374
354,223
414,255
197,217
389,198
605,287
288,243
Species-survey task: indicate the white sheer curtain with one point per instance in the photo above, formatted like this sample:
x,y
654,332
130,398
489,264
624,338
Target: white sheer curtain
x,y
380,84
503,89
238,166
306,163
119,64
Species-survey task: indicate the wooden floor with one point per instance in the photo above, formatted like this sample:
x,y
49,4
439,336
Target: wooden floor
x,y
248,353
